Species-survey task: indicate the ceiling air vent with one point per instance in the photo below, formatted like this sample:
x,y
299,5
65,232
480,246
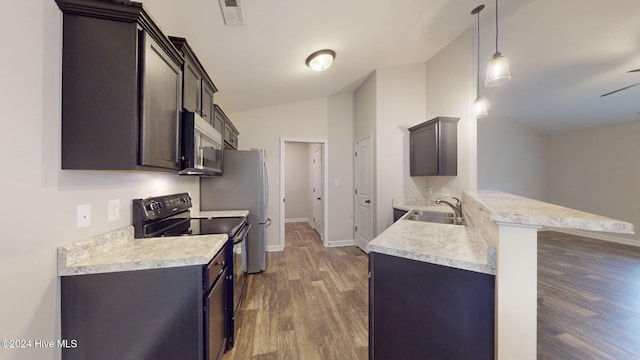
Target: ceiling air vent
x,y
232,12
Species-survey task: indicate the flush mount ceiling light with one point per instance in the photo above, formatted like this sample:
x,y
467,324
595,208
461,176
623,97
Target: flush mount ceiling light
x,y
498,71
321,60
480,106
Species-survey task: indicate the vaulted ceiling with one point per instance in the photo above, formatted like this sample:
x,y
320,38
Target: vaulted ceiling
x,y
563,54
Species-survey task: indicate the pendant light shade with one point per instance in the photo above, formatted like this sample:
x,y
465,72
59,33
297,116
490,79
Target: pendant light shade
x,y
321,60
480,107
498,71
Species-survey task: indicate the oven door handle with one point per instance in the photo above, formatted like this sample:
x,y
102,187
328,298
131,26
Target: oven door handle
x,y
242,235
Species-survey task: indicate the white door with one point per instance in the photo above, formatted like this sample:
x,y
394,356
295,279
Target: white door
x,y
364,211
317,191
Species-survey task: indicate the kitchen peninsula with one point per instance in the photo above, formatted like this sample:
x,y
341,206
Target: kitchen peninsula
x,y
500,235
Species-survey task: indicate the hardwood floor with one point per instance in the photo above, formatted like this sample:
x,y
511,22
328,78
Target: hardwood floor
x,y
591,298
310,303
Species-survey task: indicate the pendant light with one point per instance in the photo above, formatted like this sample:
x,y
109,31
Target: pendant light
x,y
498,71
480,106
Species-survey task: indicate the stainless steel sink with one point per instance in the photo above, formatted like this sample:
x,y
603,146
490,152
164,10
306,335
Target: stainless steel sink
x,y
431,216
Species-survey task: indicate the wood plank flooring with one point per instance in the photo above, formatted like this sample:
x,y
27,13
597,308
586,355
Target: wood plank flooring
x,y
590,298
312,302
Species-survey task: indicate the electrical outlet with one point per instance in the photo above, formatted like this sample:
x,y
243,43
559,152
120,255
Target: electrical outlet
x,y
114,210
84,215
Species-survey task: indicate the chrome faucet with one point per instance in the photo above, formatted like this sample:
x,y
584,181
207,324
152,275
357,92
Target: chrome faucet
x,y
457,209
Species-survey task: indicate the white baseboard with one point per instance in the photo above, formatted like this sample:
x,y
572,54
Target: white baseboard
x,y
274,248
297,220
598,235
337,243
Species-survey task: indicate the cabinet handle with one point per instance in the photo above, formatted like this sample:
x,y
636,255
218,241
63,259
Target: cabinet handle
x,y
367,201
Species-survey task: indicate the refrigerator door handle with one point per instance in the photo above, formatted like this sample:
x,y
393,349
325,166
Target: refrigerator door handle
x,y
266,183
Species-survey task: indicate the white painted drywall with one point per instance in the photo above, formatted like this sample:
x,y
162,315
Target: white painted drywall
x,y
401,103
364,124
450,92
297,179
598,171
512,158
340,187
40,200
263,128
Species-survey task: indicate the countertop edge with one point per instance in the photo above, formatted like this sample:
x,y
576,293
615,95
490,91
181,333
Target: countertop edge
x,y
488,268
92,256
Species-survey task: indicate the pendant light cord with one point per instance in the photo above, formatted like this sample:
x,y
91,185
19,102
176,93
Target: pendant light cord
x,y
478,58
496,26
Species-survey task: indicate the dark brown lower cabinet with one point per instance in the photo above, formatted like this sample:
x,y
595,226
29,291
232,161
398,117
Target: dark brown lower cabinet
x,y
159,314
419,310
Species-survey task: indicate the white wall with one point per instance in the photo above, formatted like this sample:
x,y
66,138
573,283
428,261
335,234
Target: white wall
x,y
341,149
39,199
364,125
297,181
598,171
400,104
450,92
393,99
263,128
513,158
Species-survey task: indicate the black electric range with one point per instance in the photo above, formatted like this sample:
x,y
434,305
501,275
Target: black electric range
x,y
170,215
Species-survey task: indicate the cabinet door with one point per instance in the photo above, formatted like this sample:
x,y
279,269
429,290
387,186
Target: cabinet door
x,y
230,136
161,101
191,88
218,122
215,321
424,151
207,102
450,315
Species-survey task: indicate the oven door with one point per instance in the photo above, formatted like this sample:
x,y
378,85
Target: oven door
x,y
240,276
215,320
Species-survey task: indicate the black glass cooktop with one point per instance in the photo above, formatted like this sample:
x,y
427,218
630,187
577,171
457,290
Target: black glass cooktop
x,y
197,226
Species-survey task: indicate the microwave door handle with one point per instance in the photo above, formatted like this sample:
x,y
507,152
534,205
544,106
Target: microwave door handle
x,y
201,157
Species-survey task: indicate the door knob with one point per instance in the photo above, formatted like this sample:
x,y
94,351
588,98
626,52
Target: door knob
x,y
319,198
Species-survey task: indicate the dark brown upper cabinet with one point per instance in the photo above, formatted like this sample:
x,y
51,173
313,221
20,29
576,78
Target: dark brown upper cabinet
x,y
198,88
230,134
434,147
121,89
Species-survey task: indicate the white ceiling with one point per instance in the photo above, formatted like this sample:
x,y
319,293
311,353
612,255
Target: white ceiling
x,y
563,54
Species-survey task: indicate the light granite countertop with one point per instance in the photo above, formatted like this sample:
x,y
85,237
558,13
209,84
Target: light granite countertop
x,y
472,247
501,207
449,245
119,251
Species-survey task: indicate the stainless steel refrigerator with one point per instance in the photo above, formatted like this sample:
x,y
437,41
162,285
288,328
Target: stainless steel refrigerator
x,y
244,185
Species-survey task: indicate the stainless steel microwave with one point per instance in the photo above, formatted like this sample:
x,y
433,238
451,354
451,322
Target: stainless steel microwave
x,y
201,146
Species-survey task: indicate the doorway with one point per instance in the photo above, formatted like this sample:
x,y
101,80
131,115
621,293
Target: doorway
x,y
303,185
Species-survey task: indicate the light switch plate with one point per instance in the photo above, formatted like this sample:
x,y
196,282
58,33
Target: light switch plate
x,y
113,210
84,215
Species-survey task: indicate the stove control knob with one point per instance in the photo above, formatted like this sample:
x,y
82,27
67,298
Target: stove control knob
x,y
153,205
